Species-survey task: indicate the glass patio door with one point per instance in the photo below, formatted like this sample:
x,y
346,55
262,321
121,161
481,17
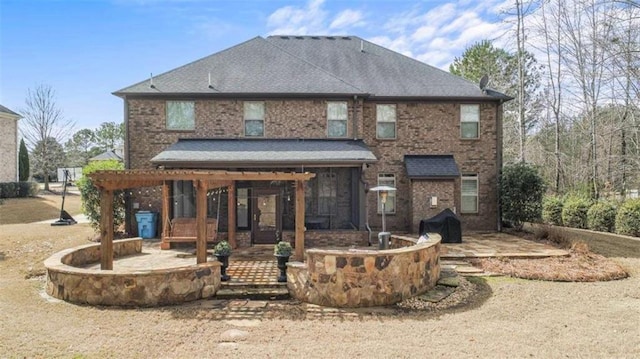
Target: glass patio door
x,y
267,216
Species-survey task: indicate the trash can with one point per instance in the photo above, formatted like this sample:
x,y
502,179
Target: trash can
x,y
146,224
383,240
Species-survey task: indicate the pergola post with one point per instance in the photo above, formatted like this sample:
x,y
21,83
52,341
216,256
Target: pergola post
x,y
165,215
201,221
106,229
299,241
231,214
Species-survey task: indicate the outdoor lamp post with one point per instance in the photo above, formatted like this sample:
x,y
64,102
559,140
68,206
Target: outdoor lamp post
x,y
383,237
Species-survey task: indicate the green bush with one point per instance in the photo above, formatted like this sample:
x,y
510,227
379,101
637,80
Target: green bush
x,y
574,212
18,189
601,217
552,210
521,190
91,196
628,218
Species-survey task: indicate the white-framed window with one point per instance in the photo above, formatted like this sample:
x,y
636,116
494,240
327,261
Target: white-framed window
x,y
469,189
254,119
387,179
470,121
327,188
386,121
337,119
180,115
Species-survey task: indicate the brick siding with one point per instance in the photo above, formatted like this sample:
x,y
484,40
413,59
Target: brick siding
x,y
422,128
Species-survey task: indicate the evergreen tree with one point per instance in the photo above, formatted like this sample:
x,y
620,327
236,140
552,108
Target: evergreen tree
x,y
23,162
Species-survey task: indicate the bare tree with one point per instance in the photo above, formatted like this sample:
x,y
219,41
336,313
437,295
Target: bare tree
x,y
43,120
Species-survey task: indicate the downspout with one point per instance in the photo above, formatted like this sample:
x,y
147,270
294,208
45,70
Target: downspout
x,y
354,125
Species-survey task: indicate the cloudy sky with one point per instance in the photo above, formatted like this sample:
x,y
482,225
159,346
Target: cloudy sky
x,y
87,49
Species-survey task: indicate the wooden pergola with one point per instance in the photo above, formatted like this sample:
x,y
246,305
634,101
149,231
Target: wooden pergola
x,y
110,181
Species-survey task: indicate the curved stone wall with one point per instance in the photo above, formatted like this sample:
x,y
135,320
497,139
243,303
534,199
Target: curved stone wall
x,y
67,280
363,278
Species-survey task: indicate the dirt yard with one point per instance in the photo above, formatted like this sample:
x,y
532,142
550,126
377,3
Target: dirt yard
x,y
520,318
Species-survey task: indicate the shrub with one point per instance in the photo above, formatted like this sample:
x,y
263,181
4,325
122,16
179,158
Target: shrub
x,y
91,196
601,217
18,189
555,235
628,218
521,190
574,212
552,210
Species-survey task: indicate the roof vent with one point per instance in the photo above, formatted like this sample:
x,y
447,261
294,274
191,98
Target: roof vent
x,y
300,37
346,38
284,37
315,37
151,81
330,38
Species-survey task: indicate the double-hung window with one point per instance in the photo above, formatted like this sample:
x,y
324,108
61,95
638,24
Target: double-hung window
x,y
470,121
386,121
337,119
469,194
387,179
254,119
180,115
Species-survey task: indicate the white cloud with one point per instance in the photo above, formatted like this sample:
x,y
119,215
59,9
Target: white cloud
x,y
293,20
347,18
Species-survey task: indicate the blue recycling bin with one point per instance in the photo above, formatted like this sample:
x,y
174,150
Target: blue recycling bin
x,y
146,224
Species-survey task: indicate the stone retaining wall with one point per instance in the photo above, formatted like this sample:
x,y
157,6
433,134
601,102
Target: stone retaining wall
x,y
67,280
363,278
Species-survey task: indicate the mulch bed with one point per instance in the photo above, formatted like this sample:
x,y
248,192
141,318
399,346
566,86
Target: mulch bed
x,y
580,266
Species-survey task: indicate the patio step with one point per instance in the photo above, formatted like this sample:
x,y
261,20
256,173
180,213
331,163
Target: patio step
x,y
253,291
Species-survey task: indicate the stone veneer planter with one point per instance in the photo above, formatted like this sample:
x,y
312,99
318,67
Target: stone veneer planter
x,y
68,281
364,278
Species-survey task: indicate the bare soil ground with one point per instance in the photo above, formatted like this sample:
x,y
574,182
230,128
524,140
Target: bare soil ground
x,y
504,317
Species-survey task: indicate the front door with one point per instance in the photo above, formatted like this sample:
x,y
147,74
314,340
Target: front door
x,y
267,215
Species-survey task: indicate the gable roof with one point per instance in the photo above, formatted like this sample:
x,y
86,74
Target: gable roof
x,y
431,166
310,65
106,155
5,110
211,153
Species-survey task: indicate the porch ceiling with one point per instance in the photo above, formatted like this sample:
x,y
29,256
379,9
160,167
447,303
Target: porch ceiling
x,y
121,179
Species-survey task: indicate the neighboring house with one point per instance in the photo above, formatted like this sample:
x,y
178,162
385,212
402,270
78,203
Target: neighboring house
x,y
8,145
355,113
114,154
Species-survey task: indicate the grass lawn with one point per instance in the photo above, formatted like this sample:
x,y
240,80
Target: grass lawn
x,y
35,209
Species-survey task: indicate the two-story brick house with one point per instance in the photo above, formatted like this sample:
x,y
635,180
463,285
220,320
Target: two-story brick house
x,y
356,114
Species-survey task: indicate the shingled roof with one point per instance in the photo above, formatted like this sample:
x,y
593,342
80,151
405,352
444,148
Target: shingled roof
x,y
223,153
7,111
307,66
431,166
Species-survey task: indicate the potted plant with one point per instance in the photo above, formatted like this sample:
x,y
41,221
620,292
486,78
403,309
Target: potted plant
x,y
222,251
282,251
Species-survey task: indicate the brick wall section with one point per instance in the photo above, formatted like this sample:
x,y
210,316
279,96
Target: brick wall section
x,y
422,128
9,149
422,190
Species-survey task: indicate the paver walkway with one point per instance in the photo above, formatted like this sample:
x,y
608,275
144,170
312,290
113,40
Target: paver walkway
x,y
484,245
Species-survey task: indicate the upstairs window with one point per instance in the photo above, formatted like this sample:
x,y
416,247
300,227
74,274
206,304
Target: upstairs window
x,y
470,121
337,119
386,121
469,194
387,179
254,119
180,115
